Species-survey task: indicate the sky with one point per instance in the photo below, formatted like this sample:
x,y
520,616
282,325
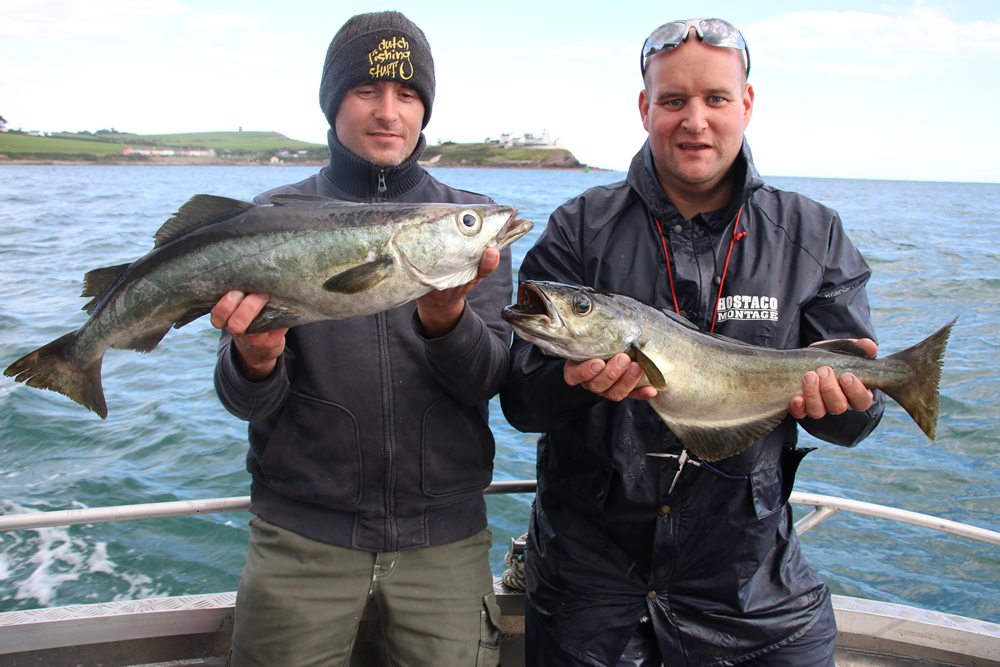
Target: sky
x,y
898,90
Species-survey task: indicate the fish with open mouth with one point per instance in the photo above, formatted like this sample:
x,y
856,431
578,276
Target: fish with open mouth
x,y
717,395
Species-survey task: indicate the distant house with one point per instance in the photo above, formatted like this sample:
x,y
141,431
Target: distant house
x,y
170,152
528,139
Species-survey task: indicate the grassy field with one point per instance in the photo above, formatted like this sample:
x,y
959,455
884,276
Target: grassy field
x,y
487,155
220,141
254,147
14,144
104,145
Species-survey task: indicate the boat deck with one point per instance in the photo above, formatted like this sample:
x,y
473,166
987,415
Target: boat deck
x,y
197,629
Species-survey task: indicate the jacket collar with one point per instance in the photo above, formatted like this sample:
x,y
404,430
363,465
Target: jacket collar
x,y
360,178
642,178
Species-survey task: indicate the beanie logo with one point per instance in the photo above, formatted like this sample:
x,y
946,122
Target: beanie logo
x,y
391,60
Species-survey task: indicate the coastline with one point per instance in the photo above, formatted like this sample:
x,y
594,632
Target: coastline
x,y
157,162
218,162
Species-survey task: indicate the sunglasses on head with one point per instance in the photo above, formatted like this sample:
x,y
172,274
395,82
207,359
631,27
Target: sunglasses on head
x,y
714,32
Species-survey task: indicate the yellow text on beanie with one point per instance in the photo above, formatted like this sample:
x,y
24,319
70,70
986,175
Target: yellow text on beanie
x,y
379,46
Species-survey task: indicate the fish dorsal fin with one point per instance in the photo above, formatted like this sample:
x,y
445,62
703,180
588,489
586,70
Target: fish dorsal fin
x,y
715,441
688,324
683,321
197,212
362,277
98,281
649,367
286,198
841,346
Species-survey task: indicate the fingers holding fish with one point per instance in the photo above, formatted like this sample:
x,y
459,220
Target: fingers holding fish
x,y
440,310
489,264
824,393
858,395
236,310
256,354
617,379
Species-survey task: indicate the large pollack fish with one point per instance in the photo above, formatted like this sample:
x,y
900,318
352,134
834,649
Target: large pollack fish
x,y
717,395
317,258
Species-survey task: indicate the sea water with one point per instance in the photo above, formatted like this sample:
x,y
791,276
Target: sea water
x,y
932,248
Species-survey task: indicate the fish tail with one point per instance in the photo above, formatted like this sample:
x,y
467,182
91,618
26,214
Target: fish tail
x,y
919,395
52,367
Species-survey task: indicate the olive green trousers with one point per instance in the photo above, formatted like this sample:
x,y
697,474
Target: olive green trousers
x,y
300,602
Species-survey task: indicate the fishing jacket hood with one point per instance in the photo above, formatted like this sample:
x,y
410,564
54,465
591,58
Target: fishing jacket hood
x,y
370,435
715,564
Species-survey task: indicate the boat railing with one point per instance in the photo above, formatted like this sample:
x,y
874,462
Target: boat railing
x,y
192,626
823,506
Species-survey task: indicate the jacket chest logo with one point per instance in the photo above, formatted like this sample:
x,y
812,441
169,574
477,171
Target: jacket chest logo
x,y
748,307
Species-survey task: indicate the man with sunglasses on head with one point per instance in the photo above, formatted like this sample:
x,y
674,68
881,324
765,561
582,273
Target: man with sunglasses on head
x,y
639,560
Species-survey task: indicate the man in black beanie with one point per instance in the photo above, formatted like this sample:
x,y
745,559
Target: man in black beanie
x,y
369,441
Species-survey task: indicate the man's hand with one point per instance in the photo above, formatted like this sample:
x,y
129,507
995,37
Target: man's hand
x,y
256,354
824,393
440,310
616,379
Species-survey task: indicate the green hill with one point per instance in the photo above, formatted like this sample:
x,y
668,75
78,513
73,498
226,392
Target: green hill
x,y
207,147
112,147
492,155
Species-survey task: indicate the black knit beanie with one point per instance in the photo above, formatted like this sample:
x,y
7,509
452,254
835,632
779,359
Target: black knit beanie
x,y
380,46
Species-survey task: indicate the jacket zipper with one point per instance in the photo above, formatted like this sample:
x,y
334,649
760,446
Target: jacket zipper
x,y
382,189
391,535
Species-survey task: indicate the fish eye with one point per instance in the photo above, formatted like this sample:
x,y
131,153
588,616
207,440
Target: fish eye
x,y
582,304
469,222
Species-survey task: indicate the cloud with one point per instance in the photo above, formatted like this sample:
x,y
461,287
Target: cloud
x,y
224,21
51,19
583,52
917,34
856,70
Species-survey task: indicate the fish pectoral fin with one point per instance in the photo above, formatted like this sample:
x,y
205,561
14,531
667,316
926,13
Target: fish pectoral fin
x,y
649,367
276,316
145,341
96,282
197,212
714,441
361,278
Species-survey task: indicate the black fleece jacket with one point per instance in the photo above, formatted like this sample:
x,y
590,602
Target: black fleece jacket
x,y
369,435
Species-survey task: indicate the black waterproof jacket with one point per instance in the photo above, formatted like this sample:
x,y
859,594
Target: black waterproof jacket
x,y
370,435
715,565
